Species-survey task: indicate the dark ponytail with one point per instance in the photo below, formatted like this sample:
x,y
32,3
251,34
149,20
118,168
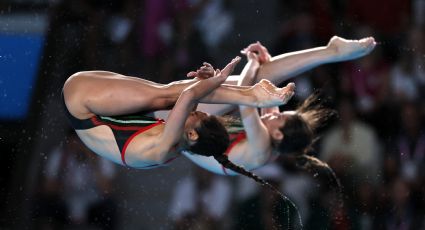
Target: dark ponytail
x,y
225,162
317,167
299,131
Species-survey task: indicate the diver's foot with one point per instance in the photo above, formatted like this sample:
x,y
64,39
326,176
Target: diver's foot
x,y
268,95
351,49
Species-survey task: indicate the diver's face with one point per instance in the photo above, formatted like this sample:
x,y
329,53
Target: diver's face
x,y
274,122
192,122
194,119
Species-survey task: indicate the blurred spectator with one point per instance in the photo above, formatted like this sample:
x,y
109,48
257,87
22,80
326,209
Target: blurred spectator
x,y
115,42
323,19
410,145
215,22
351,148
327,211
417,9
296,32
408,73
399,214
416,49
80,185
363,207
200,201
155,33
189,49
68,47
388,17
418,191
404,83
390,168
367,79
49,208
170,42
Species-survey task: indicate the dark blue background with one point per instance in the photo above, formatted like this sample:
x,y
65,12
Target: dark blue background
x,y
19,60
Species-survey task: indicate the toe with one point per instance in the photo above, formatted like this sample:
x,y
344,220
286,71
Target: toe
x,y
291,86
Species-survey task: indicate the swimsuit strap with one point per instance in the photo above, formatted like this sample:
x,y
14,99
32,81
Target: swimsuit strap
x,y
237,138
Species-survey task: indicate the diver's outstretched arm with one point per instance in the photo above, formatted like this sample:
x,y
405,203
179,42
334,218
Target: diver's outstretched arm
x,y
188,101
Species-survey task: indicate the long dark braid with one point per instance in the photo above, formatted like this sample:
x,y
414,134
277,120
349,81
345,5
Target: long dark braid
x,y
225,162
213,141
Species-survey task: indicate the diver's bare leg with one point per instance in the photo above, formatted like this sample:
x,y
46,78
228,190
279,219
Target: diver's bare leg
x,y
108,94
285,66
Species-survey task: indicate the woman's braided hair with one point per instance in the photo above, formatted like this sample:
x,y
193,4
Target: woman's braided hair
x,y
213,141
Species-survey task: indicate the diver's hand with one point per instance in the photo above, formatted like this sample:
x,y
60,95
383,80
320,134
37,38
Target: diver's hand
x,y
204,72
268,95
260,50
227,70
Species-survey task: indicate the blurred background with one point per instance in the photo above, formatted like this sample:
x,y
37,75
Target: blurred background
x,y
49,180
